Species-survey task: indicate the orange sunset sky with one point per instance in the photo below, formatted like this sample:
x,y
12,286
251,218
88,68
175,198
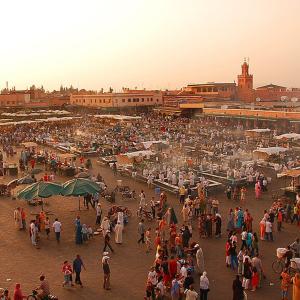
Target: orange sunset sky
x,y
155,44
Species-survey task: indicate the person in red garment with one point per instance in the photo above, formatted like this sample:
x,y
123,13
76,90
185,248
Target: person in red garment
x,y
18,295
32,163
172,267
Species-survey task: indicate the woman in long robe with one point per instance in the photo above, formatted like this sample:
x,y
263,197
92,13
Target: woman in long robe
x,y
78,232
119,233
240,219
17,218
262,226
105,225
296,287
230,223
257,190
200,260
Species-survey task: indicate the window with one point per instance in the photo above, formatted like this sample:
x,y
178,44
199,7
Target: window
x,y
129,100
123,100
83,100
157,100
142,99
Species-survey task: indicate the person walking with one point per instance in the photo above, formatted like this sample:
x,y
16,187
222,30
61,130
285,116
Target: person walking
x,y
247,274
98,214
285,283
57,229
191,294
77,266
106,242
175,288
238,291
141,231
218,221
105,225
269,233
33,233
106,271
18,294
279,220
257,264
296,286
18,219
148,240
119,233
204,286
47,227
199,259
23,218
262,226
233,256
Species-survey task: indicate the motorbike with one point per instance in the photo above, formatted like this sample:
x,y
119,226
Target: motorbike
x,y
34,294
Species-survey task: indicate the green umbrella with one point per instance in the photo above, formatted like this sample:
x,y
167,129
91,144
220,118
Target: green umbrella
x,y
80,187
40,189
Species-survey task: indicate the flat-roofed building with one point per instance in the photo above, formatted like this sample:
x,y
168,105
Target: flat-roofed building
x,y
14,99
213,90
129,98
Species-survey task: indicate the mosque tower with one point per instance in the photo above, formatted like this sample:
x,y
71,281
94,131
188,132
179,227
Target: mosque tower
x,y
245,83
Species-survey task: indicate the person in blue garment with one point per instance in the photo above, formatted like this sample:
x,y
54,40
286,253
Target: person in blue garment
x,y
240,219
78,231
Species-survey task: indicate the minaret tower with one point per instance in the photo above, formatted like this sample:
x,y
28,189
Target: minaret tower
x,y
245,80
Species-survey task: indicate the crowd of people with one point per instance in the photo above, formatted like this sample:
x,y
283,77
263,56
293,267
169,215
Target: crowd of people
x,y
175,241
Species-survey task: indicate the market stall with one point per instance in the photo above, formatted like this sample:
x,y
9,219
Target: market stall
x,y
265,153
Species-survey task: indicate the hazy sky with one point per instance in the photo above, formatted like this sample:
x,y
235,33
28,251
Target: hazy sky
x,y
147,43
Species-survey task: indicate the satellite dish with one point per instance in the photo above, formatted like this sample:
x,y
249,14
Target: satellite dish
x,y
258,99
294,99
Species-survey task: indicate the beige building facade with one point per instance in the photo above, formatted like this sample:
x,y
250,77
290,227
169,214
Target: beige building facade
x,y
119,100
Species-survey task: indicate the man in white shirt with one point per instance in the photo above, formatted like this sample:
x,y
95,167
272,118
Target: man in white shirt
x,y
269,234
142,199
152,277
33,232
191,294
183,272
244,239
57,229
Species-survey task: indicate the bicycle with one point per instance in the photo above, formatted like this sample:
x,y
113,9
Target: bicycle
x,y
115,209
143,213
279,265
128,195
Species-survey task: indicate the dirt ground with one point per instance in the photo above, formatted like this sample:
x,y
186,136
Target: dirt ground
x,y
21,262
